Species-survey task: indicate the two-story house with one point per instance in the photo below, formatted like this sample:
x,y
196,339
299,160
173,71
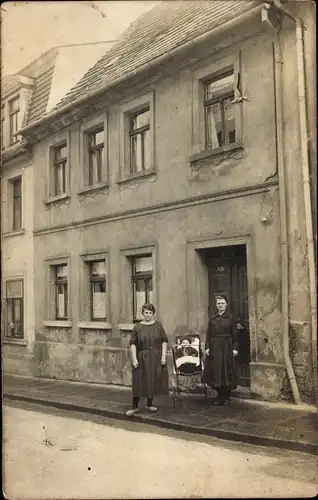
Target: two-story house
x,y
25,97
175,170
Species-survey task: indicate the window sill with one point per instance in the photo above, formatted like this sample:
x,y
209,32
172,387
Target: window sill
x,y
58,324
130,178
15,341
16,232
94,325
219,153
57,198
126,326
93,189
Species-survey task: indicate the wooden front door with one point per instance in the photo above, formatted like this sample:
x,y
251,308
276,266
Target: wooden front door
x,y
228,275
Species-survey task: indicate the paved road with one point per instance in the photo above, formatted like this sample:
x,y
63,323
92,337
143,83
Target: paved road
x,y
52,453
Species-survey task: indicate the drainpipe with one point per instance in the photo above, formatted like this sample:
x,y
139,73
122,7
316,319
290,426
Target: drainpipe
x,y
278,65
306,184
283,218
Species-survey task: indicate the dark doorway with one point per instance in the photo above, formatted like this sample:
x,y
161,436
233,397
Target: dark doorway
x,y
228,274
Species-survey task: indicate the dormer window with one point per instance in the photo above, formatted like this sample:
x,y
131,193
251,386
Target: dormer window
x,y
14,112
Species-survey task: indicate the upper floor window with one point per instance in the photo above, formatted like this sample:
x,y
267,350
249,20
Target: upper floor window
x,y
95,156
59,169
98,290
14,309
140,141
16,203
142,281
220,127
61,291
14,112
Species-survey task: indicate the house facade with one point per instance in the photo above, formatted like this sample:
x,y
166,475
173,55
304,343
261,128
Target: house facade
x,y
25,97
172,172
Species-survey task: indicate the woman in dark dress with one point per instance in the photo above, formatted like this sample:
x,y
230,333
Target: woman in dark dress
x,y
148,345
221,348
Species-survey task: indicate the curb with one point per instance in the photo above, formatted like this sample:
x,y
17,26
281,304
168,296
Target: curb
x,y
253,439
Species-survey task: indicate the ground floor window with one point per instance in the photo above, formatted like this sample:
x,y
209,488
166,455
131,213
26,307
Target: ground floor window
x,y
142,283
61,290
98,290
14,309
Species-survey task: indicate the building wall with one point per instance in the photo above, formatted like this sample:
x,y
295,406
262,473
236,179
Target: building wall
x,y
173,209
17,261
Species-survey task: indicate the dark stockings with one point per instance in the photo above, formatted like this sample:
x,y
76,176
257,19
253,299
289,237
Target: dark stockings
x,y
136,400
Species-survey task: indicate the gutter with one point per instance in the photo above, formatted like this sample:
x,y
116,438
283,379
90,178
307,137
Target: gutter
x,y
306,183
246,16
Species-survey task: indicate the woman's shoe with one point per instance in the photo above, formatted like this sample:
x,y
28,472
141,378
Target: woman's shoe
x,y
152,409
131,412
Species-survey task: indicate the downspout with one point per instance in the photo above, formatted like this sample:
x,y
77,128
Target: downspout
x,y
306,185
283,217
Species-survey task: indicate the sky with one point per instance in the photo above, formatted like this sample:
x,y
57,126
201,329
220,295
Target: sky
x,y
30,28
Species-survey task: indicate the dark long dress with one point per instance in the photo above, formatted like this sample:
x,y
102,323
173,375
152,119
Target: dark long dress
x,y
150,378
219,370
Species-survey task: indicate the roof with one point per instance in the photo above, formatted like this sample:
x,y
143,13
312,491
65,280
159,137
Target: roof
x,y
158,31
54,73
9,83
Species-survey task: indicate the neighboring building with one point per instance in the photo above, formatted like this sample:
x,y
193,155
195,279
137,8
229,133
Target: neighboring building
x,y
25,97
163,176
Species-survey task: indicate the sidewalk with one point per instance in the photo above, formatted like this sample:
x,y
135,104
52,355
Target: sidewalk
x,y
279,425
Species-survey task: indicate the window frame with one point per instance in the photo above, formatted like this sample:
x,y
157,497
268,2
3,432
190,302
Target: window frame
x,y
15,115
14,201
53,144
200,77
56,164
85,300
86,129
126,284
51,303
218,100
63,281
3,120
128,110
140,131
93,280
145,277
92,150
7,336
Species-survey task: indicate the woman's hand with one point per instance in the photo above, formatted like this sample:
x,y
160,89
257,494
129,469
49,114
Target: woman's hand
x,y
235,352
163,361
207,352
135,363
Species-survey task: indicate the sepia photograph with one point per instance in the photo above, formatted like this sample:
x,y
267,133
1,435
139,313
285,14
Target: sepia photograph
x,y
159,249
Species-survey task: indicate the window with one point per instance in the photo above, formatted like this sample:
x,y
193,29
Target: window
x,y
98,290
2,126
219,111
142,283
137,140
14,307
14,111
140,141
16,203
95,156
61,290
59,169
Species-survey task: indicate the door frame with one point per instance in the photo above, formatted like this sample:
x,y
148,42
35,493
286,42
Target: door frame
x,y
198,289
